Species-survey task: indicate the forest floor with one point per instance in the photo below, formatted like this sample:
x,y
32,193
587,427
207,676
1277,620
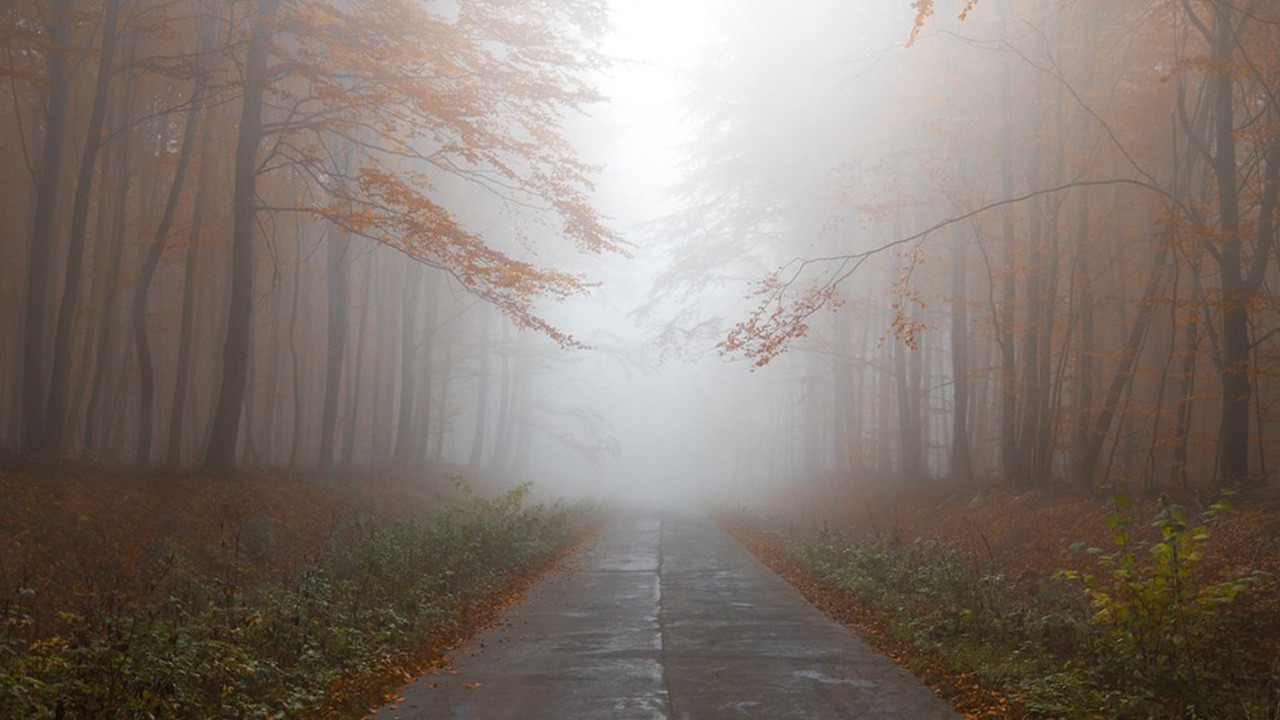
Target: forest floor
x,y
79,546
80,534
1025,538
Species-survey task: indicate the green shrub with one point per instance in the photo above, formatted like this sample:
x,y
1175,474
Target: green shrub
x,y
1138,643
214,650
933,597
1158,613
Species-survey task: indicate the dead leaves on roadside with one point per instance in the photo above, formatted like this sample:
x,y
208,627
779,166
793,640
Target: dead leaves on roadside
x,y
963,691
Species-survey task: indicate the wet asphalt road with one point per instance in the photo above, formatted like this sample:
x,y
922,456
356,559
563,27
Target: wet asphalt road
x,y
667,617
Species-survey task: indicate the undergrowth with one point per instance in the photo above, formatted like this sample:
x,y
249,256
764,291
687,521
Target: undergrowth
x,y
1135,636
211,648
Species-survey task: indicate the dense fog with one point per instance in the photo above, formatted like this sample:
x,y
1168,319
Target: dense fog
x,y
672,252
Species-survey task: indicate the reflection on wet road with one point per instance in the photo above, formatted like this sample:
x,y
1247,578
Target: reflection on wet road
x,y
667,617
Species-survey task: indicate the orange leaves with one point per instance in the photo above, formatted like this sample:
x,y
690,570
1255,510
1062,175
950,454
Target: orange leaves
x,y
397,213
782,313
419,122
905,323
925,9
777,319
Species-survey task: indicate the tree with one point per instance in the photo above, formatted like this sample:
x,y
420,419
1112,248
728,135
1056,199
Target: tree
x,y
221,454
41,246
1082,124
1242,261
59,384
478,105
142,342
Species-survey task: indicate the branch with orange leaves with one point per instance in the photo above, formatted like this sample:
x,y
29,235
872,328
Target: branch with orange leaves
x,y
781,317
925,9
392,210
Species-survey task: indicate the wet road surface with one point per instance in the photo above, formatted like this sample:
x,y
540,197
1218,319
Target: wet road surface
x,y
665,617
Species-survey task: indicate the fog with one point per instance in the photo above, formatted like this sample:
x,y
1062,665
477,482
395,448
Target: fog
x,y
680,408
673,253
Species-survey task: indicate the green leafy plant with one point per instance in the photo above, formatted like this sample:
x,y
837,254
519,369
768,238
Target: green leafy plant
x,y
1136,643
934,597
281,649
1153,604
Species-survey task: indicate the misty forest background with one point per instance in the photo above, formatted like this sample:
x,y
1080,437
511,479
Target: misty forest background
x,y
1036,247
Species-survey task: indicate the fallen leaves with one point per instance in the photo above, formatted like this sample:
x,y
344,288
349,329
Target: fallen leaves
x,y
970,697
1027,537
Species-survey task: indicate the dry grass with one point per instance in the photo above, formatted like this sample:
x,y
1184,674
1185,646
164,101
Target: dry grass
x,y
1026,536
89,540
94,545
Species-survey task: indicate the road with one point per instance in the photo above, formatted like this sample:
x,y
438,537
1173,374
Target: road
x,y
665,617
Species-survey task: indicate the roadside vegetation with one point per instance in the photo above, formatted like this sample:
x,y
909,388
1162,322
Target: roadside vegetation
x,y
378,603
1138,626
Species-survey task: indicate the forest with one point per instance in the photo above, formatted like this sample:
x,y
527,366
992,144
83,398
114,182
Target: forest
x,y
451,259
315,255
211,192
1063,270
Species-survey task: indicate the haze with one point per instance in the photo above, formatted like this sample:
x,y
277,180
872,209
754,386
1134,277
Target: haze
x,y
670,252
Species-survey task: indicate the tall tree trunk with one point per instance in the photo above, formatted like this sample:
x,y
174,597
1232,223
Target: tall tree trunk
x,y
411,335
112,279
502,440
363,340
221,454
142,342
105,234
483,352
908,431
1049,401
857,406
1048,265
426,364
519,469
1008,296
961,465
1128,359
1233,436
382,379
888,386
63,339
295,450
337,251
916,404
843,402
248,441
1083,286
34,379
1032,385
1187,378
270,394
1085,351
442,416
191,280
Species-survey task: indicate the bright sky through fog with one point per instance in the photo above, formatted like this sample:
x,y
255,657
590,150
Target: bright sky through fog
x,y
663,37
656,43
638,138
672,445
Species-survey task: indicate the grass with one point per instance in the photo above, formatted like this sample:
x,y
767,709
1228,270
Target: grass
x,y
379,604
1072,649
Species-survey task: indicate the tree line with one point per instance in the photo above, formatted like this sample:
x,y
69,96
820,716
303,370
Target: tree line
x,y
287,233
1036,246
